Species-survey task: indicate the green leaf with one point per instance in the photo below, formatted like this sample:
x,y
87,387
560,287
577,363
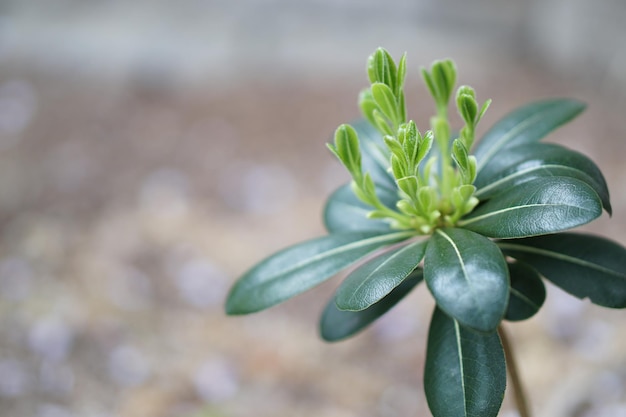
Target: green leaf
x,y
373,280
401,107
301,267
395,147
374,157
536,207
338,324
466,104
526,125
386,101
401,75
525,162
424,146
411,142
347,149
382,68
409,185
344,212
444,76
483,109
430,84
465,372
367,105
468,276
527,292
581,264
381,122
462,160
398,167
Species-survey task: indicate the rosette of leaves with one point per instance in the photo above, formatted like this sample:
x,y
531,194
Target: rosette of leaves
x,y
481,225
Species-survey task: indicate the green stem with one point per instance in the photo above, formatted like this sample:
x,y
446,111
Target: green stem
x,y
441,128
518,391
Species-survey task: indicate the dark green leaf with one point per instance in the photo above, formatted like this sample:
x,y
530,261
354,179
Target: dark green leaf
x,y
525,162
468,276
539,206
583,265
525,125
465,373
527,292
344,212
378,277
338,324
301,267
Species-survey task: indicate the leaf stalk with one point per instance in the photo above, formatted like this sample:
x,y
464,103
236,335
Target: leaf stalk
x,y
519,393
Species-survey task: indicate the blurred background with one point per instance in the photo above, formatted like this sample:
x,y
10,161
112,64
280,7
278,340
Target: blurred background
x,y
151,151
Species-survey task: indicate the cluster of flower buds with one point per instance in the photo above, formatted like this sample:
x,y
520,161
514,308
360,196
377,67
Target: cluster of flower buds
x,y
434,184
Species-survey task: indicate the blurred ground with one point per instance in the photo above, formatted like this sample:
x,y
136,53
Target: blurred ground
x,y
131,200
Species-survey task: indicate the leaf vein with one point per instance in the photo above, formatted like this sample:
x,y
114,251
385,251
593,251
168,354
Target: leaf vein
x,y
562,257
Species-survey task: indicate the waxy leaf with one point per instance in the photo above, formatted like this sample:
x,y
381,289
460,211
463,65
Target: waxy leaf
x,y
525,162
527,292
465,373
301,267
536,207
468,276
344,212
378,277
583,265
338,324
526,125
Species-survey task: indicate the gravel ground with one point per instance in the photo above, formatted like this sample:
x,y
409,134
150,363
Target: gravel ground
x,y
128,209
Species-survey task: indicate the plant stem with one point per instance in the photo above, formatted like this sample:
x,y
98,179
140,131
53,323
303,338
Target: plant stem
x,y
516,383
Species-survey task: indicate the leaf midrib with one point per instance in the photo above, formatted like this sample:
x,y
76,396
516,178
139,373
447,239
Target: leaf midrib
x,y
462,263
458,254
345,248
561,256
459,347
509,177
523,297
386,262
504,210
505,138
338,250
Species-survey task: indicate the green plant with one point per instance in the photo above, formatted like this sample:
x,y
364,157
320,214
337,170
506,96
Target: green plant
x,y
480,228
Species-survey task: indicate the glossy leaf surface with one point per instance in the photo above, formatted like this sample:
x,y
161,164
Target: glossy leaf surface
x,y
378,277
536,207
338,324
522,163
583,265
527,124
301,267
344,212
468,276
527,292
465,373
